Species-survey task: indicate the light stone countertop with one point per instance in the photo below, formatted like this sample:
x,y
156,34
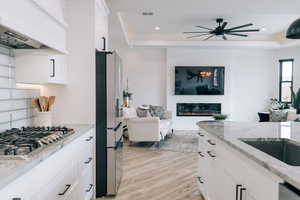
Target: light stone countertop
x,y
11,169
232,132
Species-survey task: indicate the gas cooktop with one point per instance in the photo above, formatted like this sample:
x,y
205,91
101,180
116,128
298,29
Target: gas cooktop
x,y
19,143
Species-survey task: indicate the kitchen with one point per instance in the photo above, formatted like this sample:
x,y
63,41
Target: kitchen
x,y
48,50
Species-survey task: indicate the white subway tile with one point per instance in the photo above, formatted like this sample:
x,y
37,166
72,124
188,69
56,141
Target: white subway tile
x,y
19,114
5,83
5,105
20,94
5,60
20,104
12,83
4,127
4,71
5,117
4,93
12,72
20,123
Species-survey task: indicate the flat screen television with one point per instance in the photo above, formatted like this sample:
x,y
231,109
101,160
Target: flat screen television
x,y
199,80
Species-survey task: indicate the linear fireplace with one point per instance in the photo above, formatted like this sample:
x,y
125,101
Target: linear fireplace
x,y
198,109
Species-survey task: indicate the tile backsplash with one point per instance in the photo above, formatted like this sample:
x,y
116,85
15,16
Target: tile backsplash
x,y
15,104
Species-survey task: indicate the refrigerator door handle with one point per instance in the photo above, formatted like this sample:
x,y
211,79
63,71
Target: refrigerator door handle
x,y
117,127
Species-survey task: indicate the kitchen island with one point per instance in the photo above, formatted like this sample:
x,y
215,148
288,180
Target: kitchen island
x,y
239,170
53,171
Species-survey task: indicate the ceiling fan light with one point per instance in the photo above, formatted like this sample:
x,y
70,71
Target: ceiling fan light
x,y
293,31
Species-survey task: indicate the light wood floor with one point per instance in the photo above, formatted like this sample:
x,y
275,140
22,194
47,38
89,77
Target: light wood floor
x,y
158,175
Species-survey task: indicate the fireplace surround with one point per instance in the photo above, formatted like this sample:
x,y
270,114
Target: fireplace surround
x,y
197,109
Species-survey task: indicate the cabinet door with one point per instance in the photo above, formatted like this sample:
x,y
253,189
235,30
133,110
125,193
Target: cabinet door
x,y
57,69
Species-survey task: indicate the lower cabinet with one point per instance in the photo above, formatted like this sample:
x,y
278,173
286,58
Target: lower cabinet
x,y
225,174
66,175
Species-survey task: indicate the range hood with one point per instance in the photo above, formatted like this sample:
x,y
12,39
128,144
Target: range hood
x,y
16,40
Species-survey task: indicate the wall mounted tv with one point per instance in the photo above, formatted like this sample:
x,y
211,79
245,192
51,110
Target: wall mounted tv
x,y
199,80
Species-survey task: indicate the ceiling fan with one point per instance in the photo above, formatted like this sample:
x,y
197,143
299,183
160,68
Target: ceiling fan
x,y
221,30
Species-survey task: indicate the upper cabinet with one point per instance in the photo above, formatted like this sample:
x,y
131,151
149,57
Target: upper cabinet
x,y
41,20
40,67
101,25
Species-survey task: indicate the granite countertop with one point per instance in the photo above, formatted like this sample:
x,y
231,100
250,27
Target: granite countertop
x,y
11,169
232,132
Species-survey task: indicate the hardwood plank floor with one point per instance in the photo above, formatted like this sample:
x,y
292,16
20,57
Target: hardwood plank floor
x,y
154,174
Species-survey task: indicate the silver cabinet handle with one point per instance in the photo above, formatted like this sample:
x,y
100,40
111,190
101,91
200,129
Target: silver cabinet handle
x,y
90,188
200,179
200,154
68,186
201,134
89,139
89,160
237,191
241,193
210,154
211,142
53,67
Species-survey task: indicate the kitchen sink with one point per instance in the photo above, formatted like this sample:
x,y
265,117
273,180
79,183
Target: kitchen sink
x,y
285,150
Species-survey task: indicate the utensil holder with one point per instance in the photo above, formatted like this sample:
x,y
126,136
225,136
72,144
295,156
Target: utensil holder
x,y
44,119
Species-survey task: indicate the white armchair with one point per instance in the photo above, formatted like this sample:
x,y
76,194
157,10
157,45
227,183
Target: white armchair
x,y
147,129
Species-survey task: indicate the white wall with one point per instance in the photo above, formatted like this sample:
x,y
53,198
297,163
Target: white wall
x,y
145,70
249,82
75,102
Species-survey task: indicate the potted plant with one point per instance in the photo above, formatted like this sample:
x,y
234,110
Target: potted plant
x,y
296,100
219,117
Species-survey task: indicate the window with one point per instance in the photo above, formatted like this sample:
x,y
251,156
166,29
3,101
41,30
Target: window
x,y
286,80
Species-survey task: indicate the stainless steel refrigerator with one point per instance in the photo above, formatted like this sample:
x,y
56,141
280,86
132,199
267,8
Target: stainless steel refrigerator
x,y
109,139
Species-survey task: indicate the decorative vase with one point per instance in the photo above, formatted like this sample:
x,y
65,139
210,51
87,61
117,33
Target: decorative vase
x,y
44,119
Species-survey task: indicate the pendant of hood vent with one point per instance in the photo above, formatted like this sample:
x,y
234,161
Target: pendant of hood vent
x,y
15,40
293,31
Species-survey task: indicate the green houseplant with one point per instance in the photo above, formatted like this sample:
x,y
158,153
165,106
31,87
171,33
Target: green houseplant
x,y
296,100
219,116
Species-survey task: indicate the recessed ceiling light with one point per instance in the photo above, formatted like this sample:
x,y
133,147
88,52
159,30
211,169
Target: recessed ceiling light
x,y
157,28
147,13
263,29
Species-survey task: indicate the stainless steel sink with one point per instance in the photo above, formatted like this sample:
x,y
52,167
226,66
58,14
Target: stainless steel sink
x,y
285,150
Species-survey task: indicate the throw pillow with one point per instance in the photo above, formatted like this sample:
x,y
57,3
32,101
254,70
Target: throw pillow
x,y
278,116
157,111
142,112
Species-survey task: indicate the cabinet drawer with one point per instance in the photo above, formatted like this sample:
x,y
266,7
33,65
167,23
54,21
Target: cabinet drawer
x,y
60,186
244,171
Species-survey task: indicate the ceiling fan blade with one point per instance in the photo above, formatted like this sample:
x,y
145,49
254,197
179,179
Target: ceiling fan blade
x,y
242,35
196,32
224,37
238,27
208,37
249,30
224,25
197,36
204,28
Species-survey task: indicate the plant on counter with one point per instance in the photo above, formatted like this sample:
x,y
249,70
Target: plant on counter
x,y
219,116
296,99
275,104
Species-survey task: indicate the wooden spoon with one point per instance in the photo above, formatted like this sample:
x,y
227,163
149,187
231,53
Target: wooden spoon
x,y
51,102
35,103
42,102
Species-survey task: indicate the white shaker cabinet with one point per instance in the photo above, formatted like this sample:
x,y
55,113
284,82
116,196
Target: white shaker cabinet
x,y
58,176
224,173
41,20
40,67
